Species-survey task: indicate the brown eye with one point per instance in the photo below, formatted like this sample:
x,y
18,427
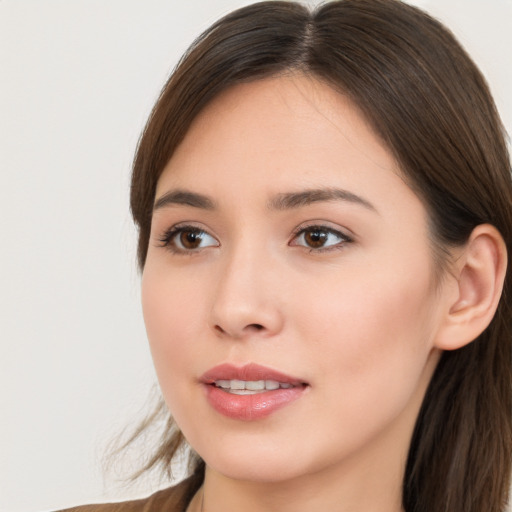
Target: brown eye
x,y
187,239
320,237
315,238
190,239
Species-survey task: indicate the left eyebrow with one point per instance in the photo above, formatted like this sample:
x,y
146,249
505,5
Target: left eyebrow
x,y
292,200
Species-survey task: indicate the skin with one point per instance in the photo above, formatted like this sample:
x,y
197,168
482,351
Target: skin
x,y
358,319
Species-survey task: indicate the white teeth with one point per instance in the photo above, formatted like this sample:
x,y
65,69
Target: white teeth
x,y
255,385
237,384
272,384
250,387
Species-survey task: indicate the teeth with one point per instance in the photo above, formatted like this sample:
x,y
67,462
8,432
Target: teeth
x,y
255,385
237,384
242,392
250,387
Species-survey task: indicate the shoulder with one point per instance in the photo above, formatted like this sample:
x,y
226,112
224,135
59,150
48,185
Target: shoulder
x,y
173,499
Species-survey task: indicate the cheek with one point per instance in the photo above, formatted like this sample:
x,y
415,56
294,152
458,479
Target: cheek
x,y
171,314
373,332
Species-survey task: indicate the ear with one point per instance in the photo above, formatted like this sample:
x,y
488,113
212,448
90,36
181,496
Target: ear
x,y
472,299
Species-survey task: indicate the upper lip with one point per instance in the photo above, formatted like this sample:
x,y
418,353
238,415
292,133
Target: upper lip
x,y
247,372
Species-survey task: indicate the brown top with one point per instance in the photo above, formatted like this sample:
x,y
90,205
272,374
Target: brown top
x,y
173,499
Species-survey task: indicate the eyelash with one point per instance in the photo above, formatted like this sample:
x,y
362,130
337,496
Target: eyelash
x,y
168,238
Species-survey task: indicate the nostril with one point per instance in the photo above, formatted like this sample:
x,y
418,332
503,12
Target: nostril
x,y
219,329
255,327
247,329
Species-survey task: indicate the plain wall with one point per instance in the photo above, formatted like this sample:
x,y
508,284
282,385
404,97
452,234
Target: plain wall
x,y
78,80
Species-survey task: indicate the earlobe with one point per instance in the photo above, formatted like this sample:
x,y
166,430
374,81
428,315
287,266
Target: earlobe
x,y
479,273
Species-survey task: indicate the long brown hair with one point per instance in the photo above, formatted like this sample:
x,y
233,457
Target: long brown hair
x,y
429,103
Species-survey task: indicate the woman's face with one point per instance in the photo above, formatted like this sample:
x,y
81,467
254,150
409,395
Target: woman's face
x,y
286,251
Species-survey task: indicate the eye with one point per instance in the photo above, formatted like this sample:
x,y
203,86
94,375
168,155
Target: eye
x,y
187,239
320,238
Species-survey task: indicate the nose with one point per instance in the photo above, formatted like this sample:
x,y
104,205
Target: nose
x,y
247,299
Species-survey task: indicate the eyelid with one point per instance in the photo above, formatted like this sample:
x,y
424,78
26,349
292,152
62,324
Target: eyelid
x,y
327,225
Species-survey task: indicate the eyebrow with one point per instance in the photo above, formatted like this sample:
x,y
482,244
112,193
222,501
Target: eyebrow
x,y
292,200
280,202
183,197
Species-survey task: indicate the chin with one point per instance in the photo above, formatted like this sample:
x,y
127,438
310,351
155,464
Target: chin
x,y
259,461
271,470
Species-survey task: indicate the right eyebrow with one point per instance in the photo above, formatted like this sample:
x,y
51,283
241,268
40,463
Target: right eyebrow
x,y
183,197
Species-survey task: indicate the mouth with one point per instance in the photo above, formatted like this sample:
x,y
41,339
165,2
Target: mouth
x,y
250,377
250,387
250,392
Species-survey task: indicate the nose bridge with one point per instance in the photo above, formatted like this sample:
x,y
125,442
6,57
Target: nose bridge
x,y
245,301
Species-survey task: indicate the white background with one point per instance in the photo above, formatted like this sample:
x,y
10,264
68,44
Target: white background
x,y
78,78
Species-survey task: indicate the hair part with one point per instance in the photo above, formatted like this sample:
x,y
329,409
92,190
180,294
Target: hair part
x,y
426,99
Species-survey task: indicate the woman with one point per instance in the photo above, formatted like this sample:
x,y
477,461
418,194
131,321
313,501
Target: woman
x,y
324,204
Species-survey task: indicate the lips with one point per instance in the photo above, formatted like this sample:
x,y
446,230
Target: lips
x,y
250,392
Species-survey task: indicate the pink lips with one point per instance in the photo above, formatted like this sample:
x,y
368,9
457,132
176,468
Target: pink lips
x,y
250,406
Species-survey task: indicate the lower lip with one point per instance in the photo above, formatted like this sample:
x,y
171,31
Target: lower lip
x,y
251,407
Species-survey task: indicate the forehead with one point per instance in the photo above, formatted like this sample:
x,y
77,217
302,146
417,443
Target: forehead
x,y
280,134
